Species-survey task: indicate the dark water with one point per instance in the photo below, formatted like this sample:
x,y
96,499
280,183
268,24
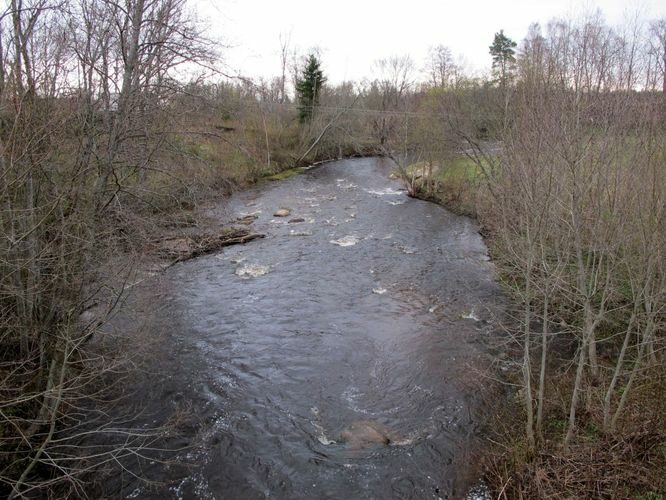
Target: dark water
x,y
387,329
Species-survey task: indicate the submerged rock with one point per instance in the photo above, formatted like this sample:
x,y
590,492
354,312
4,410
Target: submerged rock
x,y
365,433
282,212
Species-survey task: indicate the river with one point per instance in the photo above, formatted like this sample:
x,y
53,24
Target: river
x,y
374,309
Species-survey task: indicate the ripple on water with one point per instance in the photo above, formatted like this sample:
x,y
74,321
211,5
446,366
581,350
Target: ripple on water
x,y
351,395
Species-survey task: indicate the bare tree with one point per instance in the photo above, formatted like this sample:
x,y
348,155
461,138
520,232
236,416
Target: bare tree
x,y
285,51
387,94
64,132
565,205
441,68
657,50
142,43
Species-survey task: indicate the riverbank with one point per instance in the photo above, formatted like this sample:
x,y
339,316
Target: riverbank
x,y
628,461
172,221
455,186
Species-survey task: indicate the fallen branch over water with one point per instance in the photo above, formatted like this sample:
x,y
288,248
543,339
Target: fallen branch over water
x,y
188,247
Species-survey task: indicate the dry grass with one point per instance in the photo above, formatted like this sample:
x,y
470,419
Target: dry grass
x,y
628,464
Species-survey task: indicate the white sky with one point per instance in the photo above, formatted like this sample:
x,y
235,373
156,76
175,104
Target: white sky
x,y
352,34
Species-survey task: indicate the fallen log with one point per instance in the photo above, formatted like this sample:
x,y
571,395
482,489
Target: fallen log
x,y
185,248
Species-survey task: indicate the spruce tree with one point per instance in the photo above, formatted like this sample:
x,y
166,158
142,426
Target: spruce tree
x,y
308,88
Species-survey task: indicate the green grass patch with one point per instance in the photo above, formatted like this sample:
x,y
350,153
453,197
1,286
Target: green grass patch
x,y
285,174
455,183
460,169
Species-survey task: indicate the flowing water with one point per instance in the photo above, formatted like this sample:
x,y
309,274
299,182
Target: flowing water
x,y
372,310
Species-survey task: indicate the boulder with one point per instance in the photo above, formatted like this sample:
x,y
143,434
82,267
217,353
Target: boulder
x,y
365,433
282,212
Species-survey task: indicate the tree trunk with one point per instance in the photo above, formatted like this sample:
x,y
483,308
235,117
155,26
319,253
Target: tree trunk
x,y
542,371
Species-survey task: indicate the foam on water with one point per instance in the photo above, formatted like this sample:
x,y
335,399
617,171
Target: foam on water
x,y
407,250
321,433
385,192
346,241
471,315
351,395
252,270
479,492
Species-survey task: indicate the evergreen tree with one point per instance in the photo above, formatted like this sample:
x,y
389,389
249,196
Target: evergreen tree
x,y
308,88
503,54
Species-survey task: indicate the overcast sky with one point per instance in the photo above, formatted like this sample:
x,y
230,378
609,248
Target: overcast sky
x,y
351,34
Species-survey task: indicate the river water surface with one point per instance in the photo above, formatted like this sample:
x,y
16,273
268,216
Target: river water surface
x,y
373,309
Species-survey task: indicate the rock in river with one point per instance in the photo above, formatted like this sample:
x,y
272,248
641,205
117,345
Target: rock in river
x,y
282,212
365,433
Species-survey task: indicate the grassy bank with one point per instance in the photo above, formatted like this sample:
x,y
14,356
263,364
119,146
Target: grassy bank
x,y
454,184
597,460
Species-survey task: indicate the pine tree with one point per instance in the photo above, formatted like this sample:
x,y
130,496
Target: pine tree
x,y
308,88
503,53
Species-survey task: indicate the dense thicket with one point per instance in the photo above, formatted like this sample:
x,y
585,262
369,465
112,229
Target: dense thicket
x,y
578,215
83,87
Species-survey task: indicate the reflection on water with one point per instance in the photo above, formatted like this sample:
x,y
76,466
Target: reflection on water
x,y
275,347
